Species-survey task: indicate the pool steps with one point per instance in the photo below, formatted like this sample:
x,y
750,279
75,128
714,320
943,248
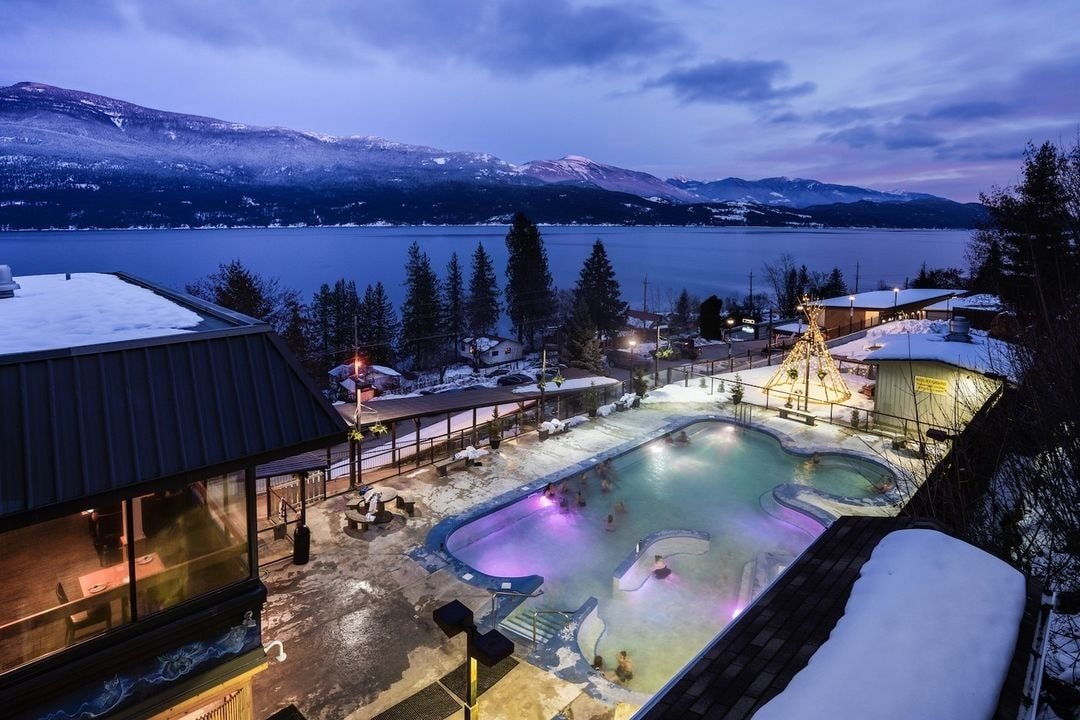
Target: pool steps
x,y
549,623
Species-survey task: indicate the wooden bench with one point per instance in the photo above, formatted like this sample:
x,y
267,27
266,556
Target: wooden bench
x,y
445,466
356,520
793,414
409,506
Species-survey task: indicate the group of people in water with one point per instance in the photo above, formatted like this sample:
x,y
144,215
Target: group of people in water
x,y
624,667
568,497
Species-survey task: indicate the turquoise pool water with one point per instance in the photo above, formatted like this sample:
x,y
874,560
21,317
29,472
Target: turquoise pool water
x,y
720,483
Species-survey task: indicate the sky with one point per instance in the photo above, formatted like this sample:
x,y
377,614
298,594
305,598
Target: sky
x,y
921,95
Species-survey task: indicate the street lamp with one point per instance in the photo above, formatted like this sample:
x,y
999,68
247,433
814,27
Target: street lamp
x,y
489,648
656,359
895,295
851,313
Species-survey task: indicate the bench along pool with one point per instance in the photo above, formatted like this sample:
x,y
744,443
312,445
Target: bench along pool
x,y
705,505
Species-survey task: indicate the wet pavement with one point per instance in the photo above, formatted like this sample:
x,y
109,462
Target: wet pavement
x,y
357,623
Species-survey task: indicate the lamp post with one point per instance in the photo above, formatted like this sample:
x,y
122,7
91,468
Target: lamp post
x,y
656,359
489,648
541,382
851,313
895,295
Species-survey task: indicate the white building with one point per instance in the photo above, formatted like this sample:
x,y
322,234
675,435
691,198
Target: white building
x,y
487,351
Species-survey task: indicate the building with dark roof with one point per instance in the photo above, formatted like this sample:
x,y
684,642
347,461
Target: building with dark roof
x,y
134,419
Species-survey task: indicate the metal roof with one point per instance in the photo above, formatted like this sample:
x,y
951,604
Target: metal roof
x,y
89,421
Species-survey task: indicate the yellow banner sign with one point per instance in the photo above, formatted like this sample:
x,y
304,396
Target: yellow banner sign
x,y
931,385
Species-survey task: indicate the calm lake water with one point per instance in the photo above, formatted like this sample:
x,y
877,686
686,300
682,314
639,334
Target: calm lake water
x,y
703,260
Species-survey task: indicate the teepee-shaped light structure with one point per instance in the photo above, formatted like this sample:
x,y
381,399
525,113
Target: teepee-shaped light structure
x,y
809,371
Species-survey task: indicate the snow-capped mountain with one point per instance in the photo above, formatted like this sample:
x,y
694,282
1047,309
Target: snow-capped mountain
x,y
788,192
74,159
43,126
574,169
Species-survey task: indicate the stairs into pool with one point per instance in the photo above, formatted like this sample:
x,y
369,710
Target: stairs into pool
x,y
549,623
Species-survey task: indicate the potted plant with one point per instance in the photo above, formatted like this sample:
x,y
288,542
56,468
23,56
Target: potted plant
x,y
641,385
495,429
737,390
592,400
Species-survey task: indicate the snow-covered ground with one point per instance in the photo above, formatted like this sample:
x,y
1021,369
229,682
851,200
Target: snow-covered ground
x,y
927,634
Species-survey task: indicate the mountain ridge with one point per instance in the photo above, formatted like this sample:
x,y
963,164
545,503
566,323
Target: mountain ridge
x,y
68,155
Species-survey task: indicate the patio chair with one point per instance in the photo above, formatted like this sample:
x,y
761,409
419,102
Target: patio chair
x,y
84,618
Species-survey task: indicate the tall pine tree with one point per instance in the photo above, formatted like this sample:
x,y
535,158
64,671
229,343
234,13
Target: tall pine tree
x,y
379,326
422,337
530,294
599,290
482,305
582,346
334,322
453,303
235,287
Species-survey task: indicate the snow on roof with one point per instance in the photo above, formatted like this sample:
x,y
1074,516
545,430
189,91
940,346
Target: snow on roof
x,y
929,631
884,299
483,343
984,302
925,340
383,370
51,313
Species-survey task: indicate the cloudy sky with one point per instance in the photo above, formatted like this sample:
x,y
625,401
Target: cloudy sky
x,y
925,95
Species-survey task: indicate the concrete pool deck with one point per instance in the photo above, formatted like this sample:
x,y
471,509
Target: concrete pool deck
x,y
356,621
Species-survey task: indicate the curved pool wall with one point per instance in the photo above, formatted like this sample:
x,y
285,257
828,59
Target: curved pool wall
x,y
459,531
632,572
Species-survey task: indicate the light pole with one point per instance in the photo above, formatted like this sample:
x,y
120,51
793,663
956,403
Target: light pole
x,y
656,359
851,313
895,295
489,648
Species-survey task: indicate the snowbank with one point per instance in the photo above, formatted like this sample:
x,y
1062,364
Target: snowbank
x,y
927,634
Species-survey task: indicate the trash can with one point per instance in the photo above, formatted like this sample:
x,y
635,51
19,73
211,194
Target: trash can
x,y
301,545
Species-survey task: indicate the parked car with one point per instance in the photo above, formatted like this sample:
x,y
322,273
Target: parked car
x,y
514,379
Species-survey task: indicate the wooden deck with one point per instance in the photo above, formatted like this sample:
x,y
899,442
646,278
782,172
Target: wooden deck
x,y
761,652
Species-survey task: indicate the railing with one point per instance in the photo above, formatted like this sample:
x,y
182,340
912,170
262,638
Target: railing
x,y
566,614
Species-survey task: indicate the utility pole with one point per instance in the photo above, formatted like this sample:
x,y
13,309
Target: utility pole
x,y
645,296
856,277
752,316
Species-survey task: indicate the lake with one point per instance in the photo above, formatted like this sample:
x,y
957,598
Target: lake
x,y
703,260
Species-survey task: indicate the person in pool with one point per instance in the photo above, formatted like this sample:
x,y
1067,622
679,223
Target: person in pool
x,y
660,568
624,669
580,499
682,438
610,523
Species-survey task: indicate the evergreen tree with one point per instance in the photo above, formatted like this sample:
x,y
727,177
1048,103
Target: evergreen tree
x,y
482,305
684,311
987,268
334,326
530,293
709,323
834,286
321,339
582,346
599,290
1037,231
453,303
421,335
379,326
235,287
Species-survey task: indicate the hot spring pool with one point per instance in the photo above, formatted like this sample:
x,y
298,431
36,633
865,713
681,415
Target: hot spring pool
x,y
719,485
